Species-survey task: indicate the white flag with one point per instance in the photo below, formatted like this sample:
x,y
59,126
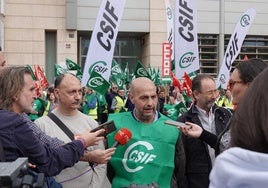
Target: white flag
x,y
102,43
186,41
170,26
234,47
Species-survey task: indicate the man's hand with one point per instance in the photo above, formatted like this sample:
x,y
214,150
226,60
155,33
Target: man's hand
x,y
192,130
90,139
99,156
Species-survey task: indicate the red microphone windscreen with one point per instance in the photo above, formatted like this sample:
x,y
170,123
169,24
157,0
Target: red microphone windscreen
x,y
123,136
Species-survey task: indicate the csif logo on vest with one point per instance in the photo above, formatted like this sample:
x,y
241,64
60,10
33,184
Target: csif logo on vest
x,y
142,72
187,59
245,20
135,154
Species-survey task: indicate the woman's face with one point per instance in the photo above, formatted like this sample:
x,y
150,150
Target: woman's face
x,y
237,87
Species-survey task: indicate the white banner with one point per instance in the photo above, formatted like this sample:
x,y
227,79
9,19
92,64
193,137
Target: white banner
x,y
186,41
170,26
234,47
102,43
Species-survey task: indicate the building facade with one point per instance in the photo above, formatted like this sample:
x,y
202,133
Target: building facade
x,y
45,32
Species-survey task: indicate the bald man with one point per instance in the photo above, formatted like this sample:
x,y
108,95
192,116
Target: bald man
x,y
68,91
151,155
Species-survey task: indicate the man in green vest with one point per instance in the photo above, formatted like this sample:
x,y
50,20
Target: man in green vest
x,y
151,155
90,103
170,109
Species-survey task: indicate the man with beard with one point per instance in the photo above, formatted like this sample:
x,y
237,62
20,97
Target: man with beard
x,y
204,112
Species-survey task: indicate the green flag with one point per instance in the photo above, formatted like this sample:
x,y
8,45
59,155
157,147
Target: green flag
x,y
79,75
192,75
72,65
28,67
117,75
157,78
152,74
181,108
58,70
126,72
187,99
98,83
172,65
141,71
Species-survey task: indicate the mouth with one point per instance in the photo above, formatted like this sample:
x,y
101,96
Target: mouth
x,y
148,110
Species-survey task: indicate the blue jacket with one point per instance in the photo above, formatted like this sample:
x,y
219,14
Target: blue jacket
x,y
18,140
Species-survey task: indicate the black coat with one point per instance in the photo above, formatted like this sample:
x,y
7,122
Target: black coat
x,y
198,162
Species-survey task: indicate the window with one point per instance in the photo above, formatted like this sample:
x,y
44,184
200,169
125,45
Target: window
x,y
208,54
127,50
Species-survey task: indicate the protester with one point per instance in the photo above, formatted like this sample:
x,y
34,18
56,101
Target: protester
x,y
161,100
110,96
68,90
240,79
208,116
179,98
51,102
16,97
155,153
90,103
118,102
170,109
226,100
245,164
102,108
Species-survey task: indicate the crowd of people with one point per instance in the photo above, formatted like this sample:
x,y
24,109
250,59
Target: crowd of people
x,y
224,131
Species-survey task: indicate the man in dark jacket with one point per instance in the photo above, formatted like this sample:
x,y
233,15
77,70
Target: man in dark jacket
x,y
200,156
16,97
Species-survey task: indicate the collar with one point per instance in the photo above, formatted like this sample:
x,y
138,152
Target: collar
x,y
156,117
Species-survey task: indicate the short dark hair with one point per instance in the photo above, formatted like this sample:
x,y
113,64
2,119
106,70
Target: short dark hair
x,y
58,80
249,69
249,128
196,82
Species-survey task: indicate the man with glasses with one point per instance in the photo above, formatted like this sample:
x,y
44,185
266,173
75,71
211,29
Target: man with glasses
x,y
204,112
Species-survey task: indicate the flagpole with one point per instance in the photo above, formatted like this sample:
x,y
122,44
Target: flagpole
x,y
222,28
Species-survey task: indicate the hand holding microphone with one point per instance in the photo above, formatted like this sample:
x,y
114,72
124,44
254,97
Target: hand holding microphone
x,y
122,137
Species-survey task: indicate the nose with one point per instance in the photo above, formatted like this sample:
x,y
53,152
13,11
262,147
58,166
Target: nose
x,y
150,102
77,95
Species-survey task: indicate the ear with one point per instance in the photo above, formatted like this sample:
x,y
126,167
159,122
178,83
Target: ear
x,y
131,97
15,98
56,92
195,94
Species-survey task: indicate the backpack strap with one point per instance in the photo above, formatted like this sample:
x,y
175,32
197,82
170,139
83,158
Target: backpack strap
x,y
61,125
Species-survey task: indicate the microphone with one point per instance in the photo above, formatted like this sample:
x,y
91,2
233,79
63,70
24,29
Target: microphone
x,y
122,137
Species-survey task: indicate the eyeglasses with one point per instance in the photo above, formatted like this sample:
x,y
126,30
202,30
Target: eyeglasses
x,y
212,92
232,83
